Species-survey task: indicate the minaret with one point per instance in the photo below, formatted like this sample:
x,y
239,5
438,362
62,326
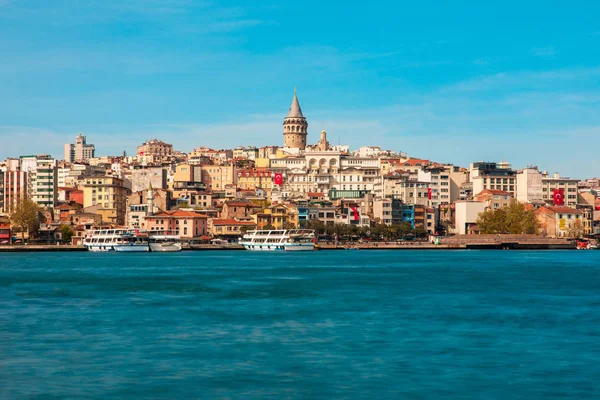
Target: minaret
x,y
150,198
295,126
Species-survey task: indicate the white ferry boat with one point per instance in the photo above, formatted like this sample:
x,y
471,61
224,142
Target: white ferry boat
x,y
113,240
130,240
279,240
164,242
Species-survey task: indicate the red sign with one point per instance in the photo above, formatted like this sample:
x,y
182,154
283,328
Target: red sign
x,y
429,193
278,179
558,197
355,213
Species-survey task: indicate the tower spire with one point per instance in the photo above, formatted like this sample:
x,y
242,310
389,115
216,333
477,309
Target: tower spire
x,y
295,110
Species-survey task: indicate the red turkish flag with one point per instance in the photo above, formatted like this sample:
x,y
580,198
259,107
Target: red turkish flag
x,y
429,193
355,213
558,197
278,179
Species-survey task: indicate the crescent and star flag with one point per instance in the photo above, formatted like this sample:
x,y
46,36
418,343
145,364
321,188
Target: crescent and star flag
x,y
278,179
429,193
355,213
558,197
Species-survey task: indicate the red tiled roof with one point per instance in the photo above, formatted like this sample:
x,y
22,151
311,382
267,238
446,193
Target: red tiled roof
x,y
64,207
241,204
218,221
314,194
559,210
494,192
177,214
415,161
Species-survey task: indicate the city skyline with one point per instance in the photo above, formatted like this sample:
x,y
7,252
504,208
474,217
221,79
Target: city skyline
x,y
448,85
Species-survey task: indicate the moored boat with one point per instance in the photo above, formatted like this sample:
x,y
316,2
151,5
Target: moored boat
x,y
104,239
164,242
279,240
130,242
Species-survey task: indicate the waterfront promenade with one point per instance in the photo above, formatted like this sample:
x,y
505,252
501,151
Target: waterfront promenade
x,y
507,242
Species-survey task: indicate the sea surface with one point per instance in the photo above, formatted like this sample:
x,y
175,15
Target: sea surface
x,y
323,325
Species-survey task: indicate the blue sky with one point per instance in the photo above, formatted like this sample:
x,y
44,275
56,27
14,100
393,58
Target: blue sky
x,y
515,81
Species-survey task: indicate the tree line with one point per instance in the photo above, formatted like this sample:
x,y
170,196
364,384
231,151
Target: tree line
x,y
513,219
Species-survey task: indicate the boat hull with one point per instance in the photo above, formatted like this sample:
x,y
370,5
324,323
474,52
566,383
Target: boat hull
x,y
103,249
263,247
279,247
165,247
299,246
131,248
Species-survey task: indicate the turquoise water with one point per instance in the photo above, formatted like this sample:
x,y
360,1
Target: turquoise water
x,y
324,325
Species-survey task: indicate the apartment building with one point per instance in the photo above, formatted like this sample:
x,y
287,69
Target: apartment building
x,y
42,173
15,184
109,194
80,151
493,176
569,187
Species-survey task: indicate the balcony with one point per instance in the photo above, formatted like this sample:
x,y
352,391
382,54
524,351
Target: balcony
x,y
323,179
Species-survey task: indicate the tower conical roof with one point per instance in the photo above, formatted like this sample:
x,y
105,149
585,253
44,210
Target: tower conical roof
x,y
295,110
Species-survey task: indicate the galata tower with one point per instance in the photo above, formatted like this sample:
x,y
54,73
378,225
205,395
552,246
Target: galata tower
x,y
295,127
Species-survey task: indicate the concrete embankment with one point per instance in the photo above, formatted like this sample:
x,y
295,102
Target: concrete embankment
x,y
23,248
213,247
480,242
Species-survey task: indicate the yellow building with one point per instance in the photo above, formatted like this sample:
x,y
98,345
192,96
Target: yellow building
x,y
110,195
216,177
262,162
252,178
280,216
184,173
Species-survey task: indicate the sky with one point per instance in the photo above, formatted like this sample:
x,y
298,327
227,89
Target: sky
x,y
497,81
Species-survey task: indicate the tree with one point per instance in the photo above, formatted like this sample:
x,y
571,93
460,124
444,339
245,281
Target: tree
x,y
420,232
246,228
67,233
513,219
25,215
575,230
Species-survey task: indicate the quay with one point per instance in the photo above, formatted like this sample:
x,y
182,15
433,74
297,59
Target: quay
x,y
458,242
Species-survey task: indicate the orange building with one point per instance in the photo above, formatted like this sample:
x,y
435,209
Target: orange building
x,y
187,224
230,227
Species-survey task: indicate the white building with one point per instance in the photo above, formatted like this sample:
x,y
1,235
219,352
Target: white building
x,y
569,187
529,185
80,151
445,182
42,172
322,171
465,215
493,176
